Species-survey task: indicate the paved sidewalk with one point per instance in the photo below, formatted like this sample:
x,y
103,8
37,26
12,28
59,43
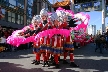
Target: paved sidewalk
x,y
86,58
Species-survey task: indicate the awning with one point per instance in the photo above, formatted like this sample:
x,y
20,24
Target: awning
x,y
11,25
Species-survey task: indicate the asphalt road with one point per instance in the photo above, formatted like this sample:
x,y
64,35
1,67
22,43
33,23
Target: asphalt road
x,y
86,58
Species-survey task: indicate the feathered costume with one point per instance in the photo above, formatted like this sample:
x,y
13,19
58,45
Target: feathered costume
x,y
50,34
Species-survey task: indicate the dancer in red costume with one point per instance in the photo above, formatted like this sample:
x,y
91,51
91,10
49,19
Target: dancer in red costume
x,y
57,47
45,44
36,25
68,47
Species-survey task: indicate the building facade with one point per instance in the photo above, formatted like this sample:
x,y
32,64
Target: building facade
x,y
39,4
91,29
98,32
106,28
17,13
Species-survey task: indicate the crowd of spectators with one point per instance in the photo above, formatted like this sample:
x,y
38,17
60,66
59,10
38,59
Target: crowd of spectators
x,y
4,33
101,41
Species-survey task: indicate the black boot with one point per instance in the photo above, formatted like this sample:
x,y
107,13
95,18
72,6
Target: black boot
x,y
73,64
60,59
57,66
53,63
33,62
44,63
65,62
52,58
37,62
47,64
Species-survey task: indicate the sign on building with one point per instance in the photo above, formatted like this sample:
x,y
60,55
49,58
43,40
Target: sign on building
x,y
97,5
88,6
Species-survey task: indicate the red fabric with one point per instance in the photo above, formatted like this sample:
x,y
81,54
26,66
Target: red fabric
x,y
45,27
53,39
48,55
71,57
44,56
56,59
68,39
58,42
48,40
37,57
63,25
62,40
40,25
42,40
65,55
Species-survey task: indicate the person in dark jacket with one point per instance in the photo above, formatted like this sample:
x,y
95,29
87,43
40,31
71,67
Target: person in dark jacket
x,y
107,38
100,43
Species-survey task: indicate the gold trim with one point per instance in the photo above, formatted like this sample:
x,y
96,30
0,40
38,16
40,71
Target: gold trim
x,y
53,47
43,45
69,42
36,46
48,45
69,49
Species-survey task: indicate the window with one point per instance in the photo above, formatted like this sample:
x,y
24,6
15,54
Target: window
x,y
9,19
13,20
19,19
18,16
9,13
28,21
22,20
13,17
9,16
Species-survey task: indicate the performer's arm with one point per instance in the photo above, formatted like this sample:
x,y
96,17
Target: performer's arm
x,y
35,31
47,26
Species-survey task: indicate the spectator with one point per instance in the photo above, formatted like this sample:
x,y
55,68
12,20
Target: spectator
x,y
1,32
107,38
100,43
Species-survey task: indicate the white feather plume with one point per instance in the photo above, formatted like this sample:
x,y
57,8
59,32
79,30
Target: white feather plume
x,y
36,18
43,12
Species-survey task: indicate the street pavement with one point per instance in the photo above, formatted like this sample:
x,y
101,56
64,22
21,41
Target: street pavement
x,y
85,57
